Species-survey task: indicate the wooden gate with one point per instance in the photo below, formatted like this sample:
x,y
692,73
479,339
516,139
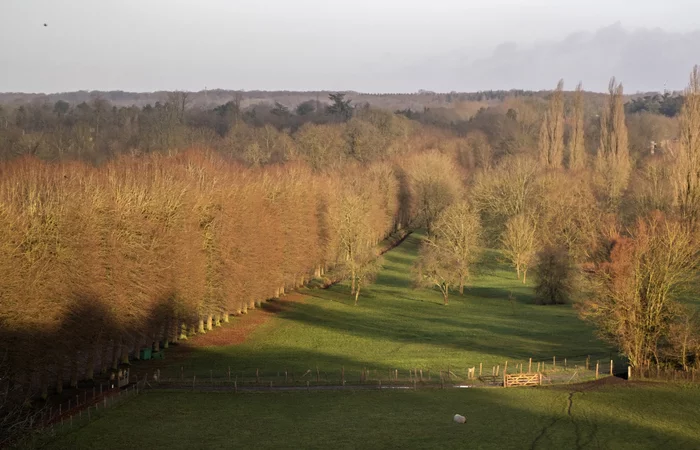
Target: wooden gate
x,y
522,379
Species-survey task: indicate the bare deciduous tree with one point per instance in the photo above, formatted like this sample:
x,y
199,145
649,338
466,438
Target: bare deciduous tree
x,y
687,170
519,243
436,268
555,276
577,149
613,158
457,232
635,289
435,184
551,141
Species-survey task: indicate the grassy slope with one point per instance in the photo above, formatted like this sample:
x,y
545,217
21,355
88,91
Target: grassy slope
x,y
397,327
612,417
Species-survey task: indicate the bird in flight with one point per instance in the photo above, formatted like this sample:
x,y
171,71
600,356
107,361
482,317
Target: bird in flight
x,y
45,25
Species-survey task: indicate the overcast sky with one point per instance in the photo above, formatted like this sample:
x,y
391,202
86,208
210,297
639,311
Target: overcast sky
x,y
363,45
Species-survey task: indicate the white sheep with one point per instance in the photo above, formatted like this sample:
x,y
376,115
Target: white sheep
x,y
460,419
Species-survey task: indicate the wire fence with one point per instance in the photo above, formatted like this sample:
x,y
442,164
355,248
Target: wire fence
x,y
665,373
87,406
77,412
553,371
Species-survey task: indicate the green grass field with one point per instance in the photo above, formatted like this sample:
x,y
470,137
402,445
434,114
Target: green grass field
x,y
398,327
652,416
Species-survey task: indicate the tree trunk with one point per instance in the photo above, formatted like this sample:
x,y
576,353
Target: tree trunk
x,y
225,316
116,351
209,322
200,328
44,381
103,357
445,293
90,364
517,269
59,375
461,285
352,283
357,294
167,328
175,330
684,357
524,276
74,370
217,320
125,354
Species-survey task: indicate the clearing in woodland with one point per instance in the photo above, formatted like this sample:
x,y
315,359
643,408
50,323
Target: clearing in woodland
x,y
394,327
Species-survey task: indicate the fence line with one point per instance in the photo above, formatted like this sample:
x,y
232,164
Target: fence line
x,y
70,414
78,412
553,371
664,373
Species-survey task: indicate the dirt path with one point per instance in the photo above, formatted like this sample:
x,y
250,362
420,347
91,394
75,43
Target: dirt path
x,y
239,329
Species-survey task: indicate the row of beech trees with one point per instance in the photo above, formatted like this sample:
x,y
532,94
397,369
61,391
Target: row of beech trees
x,y
97,263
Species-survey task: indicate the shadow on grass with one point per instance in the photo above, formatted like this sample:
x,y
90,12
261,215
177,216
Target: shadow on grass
x,y
496,419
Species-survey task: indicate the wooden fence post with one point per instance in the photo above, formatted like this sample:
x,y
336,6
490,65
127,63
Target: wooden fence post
x,y
480,369
588,362
611,367
554,363
596,369
529,366
629,372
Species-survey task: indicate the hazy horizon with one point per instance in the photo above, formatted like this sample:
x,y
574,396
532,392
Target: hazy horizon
x,y
367,46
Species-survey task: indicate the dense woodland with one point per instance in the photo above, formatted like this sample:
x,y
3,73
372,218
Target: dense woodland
x,y
126,227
